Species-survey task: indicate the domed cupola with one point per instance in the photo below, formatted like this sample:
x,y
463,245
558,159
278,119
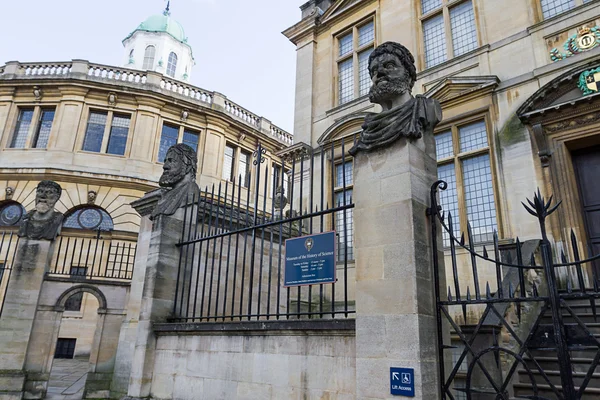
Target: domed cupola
x,y
159,44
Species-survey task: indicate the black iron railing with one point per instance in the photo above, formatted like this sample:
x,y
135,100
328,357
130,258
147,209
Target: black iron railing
x,y
93,257
232,246
526,344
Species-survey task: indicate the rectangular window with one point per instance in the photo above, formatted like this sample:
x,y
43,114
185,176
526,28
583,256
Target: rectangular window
x,y
22,129
344,220
463,156
94,133
73,303
244,168
191,139
65,348
78,271
168,138
354,48
228,163
277,179
40,141
550,8
462,30
119,129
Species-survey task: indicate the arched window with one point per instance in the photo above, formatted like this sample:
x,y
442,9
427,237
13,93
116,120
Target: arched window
x,y
131,56
88,217
149,57
172,64
11,213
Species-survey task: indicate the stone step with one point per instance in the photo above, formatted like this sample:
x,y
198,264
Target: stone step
x,y
551,364
522,390
554,377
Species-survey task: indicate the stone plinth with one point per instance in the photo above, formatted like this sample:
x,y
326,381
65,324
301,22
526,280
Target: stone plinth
x,y
16,323
395,297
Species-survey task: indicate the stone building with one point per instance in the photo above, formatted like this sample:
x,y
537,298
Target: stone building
x,y
517,84
102,133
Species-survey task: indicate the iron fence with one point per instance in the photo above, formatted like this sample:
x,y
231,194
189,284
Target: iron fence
x,y
93,257
528,333
233,242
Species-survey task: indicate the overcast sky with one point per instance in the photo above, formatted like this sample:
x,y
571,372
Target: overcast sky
x,y
237,44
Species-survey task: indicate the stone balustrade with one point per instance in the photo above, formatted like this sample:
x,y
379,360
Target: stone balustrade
x,y
147,80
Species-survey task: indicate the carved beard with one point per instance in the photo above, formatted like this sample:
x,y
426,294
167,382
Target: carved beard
x,y
388,90
42,207
169,179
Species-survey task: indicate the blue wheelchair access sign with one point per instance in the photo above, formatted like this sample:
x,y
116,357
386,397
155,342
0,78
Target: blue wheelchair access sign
x,y
402,381
310,260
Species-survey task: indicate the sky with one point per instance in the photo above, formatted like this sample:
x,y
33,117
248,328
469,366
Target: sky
x,y
238,46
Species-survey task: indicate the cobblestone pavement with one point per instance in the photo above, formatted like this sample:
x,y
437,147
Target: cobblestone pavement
x,y
67,379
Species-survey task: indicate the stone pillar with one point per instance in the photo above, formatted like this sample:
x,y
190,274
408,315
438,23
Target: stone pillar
x,y
160,283
395,297
22,294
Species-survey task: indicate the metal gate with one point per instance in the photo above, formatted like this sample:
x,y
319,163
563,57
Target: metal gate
x,y
491,330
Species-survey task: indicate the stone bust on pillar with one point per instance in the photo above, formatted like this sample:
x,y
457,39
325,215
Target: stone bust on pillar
x,y
393,72
43,222
178,179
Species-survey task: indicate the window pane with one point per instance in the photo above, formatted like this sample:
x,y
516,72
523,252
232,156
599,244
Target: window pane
x,y
73,303
94,132
168,138
473,136
277,179
345,43
479,197
343,172
191,139
149,58
366,34
435,40
228,163
443,145
552,7
172,64
118,134
244,168
449,199
364,79
345,236
22,128
43,130
346,77
464,35
428,5
92,218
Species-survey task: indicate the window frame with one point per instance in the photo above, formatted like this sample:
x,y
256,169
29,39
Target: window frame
x,y
457,158
34,125
147,57
444,9
354,55
107,130
172,61
540,10
181,129
238,151
339,161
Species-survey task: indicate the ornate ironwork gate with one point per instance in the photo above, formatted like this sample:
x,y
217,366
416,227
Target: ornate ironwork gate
x,y
506,322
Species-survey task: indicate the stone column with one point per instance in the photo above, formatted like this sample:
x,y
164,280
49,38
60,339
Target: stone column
x,y
22,294
395,297
160,283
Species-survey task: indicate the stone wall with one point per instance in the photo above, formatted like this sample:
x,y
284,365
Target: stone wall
x,y
255,366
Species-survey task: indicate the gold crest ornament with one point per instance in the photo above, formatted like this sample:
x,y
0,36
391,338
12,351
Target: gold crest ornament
x,y
585,39
309,244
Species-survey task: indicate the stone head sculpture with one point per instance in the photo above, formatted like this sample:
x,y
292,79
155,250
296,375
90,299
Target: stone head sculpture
x,y
393,73
43,222
178,179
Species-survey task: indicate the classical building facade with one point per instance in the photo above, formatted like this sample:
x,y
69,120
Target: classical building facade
x,y
517,84
102,133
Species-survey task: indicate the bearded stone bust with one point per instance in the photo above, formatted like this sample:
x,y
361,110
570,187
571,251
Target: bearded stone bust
x,y
393,72
43,222
178,179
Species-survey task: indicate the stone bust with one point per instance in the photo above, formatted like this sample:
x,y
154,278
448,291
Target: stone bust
x,y
393,72
178,179
43,222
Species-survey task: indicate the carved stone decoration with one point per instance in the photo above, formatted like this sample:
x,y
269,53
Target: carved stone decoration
x,y
92,195
37,92
184,115
585,39
393,72
112,99
178,180
9,192
43,222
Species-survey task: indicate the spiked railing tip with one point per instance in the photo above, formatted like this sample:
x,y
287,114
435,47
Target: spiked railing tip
x,y
449,294
535,290
488,292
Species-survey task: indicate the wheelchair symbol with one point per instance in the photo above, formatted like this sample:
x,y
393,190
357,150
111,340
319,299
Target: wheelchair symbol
x,y
405,378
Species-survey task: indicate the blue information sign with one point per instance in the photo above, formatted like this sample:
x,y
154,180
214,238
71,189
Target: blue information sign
x,y
310,260
402,381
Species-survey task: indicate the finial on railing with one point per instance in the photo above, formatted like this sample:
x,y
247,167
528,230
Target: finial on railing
x,y
541,209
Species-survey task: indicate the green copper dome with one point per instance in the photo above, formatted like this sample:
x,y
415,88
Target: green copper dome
x,y
162,23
